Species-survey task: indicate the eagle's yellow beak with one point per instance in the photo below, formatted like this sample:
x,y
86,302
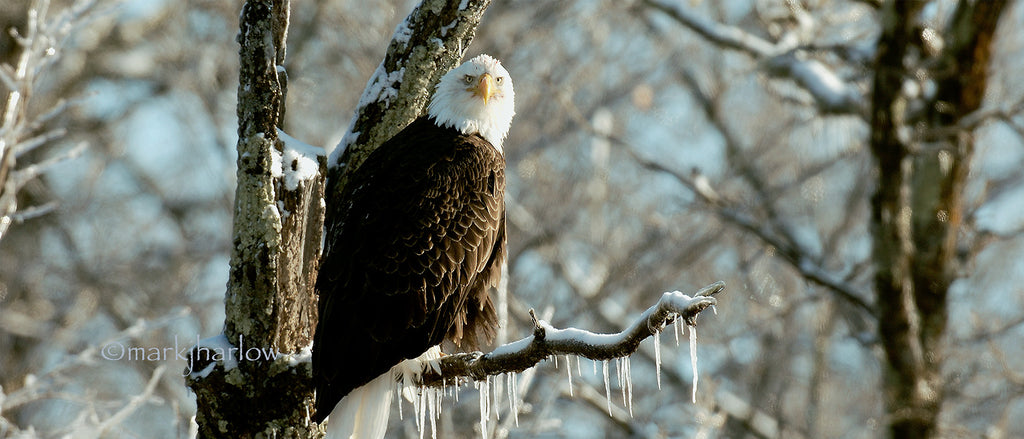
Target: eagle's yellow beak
x,y
485,89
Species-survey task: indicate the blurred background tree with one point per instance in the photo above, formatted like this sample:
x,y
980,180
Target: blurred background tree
x,y
658,145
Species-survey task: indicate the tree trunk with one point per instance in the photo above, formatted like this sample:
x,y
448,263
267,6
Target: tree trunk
x,y
917,207
270,303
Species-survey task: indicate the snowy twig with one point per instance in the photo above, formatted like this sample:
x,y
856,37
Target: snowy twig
x,y
831,92
41,41
547,341
722,35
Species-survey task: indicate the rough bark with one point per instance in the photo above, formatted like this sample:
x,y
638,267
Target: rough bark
x,y
270,303
917,207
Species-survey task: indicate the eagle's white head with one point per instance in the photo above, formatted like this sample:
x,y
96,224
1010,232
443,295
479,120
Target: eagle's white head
x,y
476,97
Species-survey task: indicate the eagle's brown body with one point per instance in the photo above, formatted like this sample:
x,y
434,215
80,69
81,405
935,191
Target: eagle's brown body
x,y
416,240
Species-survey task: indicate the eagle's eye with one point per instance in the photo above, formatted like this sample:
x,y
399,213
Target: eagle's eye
x,y
468,79
498,79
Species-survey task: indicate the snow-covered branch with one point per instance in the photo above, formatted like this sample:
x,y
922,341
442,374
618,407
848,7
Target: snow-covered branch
x,y
832,93
426,45
547,341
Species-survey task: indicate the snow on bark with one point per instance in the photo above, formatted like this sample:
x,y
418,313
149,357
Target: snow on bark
x,y
298,161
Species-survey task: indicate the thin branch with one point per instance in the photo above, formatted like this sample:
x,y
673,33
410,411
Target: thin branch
x,y
547,341
699,185
133,404
797,258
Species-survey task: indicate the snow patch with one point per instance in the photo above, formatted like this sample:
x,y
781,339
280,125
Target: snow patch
x,y
382,87
509,348
299,161
219,343
403,33
447,27
275,163
348,139
305,355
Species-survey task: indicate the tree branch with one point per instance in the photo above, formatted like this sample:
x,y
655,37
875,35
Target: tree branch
x,y
426,45
832,93
548,340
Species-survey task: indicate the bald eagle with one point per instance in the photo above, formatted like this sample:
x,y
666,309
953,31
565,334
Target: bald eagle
x,y
417,243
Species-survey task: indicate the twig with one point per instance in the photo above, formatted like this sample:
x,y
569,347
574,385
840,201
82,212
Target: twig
x,y
548,340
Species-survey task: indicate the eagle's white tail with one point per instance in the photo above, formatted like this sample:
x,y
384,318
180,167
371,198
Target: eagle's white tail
x,y
364,412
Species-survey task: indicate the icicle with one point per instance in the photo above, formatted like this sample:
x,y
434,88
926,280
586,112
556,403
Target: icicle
x,y
693,361
487,400
629,385
607,387
675,329
594,364
515,397
398,394
434,406
556,361
508,390
440,399
416,402
568,371
421,411
482,387
620,371
578,373
657,356
496,395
